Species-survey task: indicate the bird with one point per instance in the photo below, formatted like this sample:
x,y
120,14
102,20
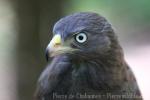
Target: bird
x,y
86,62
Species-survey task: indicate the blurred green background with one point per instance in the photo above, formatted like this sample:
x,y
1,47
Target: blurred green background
x,y
26,29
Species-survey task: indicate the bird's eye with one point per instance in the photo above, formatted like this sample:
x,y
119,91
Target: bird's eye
x,y
81,37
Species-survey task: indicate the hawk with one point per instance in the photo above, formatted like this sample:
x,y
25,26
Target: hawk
x,y
86,62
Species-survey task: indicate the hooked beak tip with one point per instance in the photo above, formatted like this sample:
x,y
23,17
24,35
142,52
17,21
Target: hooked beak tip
x,y
47,54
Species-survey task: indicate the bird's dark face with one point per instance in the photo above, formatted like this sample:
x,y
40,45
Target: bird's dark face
x,y
81,35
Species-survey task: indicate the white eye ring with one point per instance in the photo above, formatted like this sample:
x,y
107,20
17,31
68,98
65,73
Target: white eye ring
x,y
81,37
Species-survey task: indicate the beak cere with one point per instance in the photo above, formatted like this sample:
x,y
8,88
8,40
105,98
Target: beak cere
x,y
54,44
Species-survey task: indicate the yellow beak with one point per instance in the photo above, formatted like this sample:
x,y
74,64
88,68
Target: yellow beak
x,y
56,41
53,45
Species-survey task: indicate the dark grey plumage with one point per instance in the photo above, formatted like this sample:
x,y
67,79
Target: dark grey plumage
x,y
96,67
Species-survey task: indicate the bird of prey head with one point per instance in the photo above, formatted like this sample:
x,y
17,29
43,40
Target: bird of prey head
x,y
86,58
82,36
